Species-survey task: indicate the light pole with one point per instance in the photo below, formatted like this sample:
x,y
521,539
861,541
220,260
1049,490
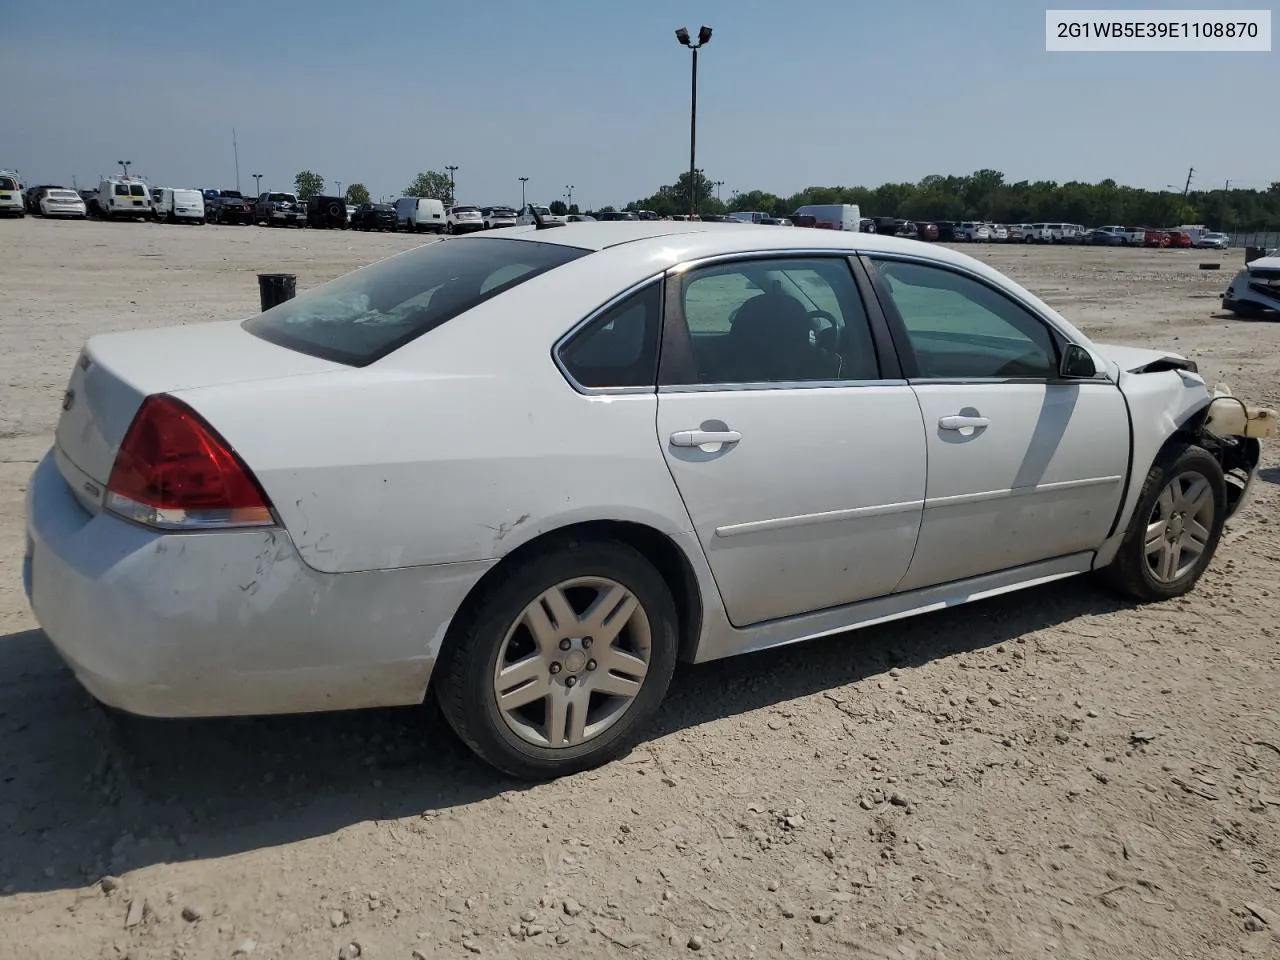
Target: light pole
x,y
523,181
257,183
704,37
124,165
339,183
453,193
718,184
568,192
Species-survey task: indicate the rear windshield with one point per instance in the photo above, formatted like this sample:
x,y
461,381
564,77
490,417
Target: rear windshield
x,y
121,190
503,212
466,209
137,190
363,316
59,194
281,197
8,183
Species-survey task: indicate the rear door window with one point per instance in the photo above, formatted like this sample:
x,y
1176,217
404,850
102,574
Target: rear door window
x,y
137,190
363,316
121,190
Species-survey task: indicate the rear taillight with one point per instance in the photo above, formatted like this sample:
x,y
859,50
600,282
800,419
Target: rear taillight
x,y
173,471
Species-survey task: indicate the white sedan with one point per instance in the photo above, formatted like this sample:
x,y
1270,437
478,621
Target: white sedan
x,y
530,473
62,203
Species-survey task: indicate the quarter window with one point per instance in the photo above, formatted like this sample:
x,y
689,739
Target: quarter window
x,y
960,328
620,347
775,321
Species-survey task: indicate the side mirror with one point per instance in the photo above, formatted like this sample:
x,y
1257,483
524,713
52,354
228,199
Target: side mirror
x,y
1077,363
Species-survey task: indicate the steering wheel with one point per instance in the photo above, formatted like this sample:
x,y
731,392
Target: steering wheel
x,y
817,314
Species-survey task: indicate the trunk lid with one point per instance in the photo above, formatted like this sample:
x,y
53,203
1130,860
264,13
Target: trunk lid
x,y
116,371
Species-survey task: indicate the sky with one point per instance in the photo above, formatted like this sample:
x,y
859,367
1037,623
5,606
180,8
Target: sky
x,y
595,94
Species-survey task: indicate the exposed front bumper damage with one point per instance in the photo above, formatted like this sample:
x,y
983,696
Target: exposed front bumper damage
x,y
1255,290
1232,429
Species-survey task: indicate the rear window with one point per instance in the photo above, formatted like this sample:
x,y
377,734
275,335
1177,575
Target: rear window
x,y
465,209
384,207
281,197
137,190
363,316
8,183
121,190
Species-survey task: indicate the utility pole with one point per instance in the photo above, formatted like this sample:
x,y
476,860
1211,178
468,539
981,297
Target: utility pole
x,y
339,183
453,193
523,181
235,148
257,184
1227,188
1187,188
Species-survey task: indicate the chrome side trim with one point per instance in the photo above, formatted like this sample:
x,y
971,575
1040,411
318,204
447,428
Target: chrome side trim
x,y
778,253
988,495
721,639
1098,380
812,519
777,385
585,322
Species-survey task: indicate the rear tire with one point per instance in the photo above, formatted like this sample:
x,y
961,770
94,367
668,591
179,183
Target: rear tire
x,y
1175,528
563,661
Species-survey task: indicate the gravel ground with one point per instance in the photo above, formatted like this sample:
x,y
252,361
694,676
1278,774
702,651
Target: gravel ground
x,y
1050,773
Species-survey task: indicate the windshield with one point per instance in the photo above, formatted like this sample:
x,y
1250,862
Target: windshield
x,y
59,194
384,207
281,198
363,316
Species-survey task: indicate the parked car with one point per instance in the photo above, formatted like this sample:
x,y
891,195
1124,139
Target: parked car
x,y
326,213
946,230
1049,232
581,218
1134,236
999,232
606,215
1213,241
419,214
177,205
1105,236
463,218
1179,238
1019,233
11,203
351,212
276,209
1254,292
62,203
31,197
228,206
1154,238
193,563
526,217
831,216
496,217
121,198
374,216
973,231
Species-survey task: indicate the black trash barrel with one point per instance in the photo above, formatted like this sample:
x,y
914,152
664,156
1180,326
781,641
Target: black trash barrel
x,y
274,288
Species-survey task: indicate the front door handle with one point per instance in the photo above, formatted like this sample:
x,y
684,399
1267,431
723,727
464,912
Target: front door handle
x,y
696,438
959,422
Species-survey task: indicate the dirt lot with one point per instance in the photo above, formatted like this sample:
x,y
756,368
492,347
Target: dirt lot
x,y
1050,773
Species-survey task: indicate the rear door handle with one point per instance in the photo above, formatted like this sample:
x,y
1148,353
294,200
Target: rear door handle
x,y
696,438
958,422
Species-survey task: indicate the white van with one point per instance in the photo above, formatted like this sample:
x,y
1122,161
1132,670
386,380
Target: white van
x,y
120,197
832,216
417,214
176,204
11,194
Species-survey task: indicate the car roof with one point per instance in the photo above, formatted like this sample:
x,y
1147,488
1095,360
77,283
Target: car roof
x,y
705,238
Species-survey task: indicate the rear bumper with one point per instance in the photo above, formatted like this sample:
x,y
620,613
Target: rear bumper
x,y
222,624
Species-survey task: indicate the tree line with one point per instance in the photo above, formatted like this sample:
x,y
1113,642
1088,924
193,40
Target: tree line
x,y
984,195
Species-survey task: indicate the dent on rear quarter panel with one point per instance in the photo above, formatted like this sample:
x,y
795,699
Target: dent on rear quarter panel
x,y
462,446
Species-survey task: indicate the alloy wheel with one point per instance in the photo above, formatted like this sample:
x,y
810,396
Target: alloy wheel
x,y
573,662
1180,526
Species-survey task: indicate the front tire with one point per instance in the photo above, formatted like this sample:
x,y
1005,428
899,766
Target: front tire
x,y
562,661
1175,528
